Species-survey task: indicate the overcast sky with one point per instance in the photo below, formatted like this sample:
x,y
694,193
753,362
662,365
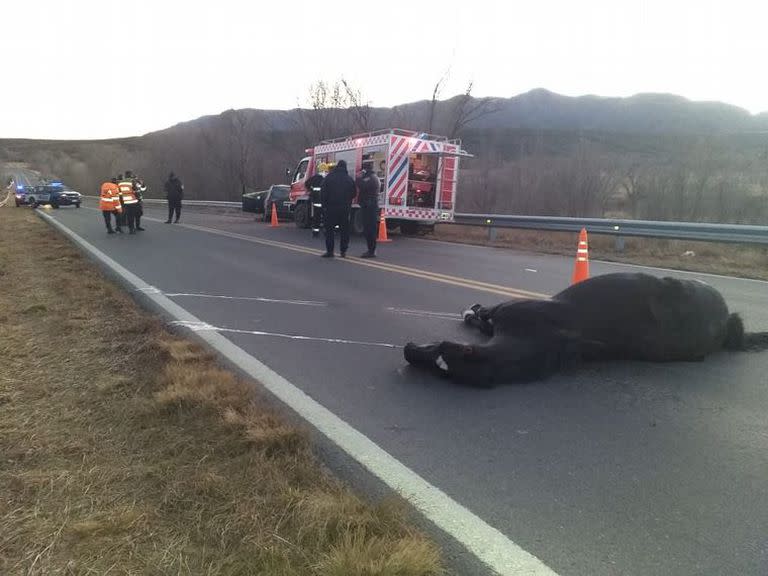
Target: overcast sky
x,y
110,68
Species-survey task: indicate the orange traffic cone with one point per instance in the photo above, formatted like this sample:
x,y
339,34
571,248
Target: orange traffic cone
x,y
581,269
383,229
274,223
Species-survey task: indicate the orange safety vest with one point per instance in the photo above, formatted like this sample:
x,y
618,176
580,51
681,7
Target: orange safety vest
x,y
126,191
109,200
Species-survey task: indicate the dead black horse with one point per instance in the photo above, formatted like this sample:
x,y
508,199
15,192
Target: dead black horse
x,y
612,317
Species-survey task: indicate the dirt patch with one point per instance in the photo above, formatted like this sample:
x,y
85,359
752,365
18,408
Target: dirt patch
x,y
126,449
743,261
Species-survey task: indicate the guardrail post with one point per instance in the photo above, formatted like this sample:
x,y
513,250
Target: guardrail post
x,y
619,243
491,234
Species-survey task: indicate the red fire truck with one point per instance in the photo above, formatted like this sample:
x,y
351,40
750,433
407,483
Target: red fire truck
x,y
418,174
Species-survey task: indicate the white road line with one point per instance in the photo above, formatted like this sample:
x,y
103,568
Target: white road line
x,y
425,313
708,274
253,298
484,541
531,270
198,327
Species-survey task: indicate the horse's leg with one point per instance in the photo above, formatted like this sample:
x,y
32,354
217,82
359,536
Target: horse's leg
x,y
424,356
480,318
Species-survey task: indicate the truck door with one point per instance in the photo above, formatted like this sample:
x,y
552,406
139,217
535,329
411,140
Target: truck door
x,y
297,182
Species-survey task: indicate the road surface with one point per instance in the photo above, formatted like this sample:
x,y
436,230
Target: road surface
x,y
632,469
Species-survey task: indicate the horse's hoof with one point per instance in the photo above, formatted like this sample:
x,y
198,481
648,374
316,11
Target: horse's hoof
x,y
421,355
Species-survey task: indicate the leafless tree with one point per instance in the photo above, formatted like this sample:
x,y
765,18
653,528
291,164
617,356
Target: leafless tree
x,y
433,103
361,110
467,110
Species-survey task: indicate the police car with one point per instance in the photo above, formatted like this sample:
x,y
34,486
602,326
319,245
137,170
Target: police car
x,y
55,194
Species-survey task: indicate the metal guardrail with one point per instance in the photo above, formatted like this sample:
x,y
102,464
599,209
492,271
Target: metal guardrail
x,y
703,232
213,203
620,228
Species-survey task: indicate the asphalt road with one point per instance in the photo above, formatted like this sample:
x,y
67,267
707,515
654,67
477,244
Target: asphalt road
x,y
631,469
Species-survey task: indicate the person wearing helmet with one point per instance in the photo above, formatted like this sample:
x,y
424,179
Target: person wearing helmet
x,y
313,186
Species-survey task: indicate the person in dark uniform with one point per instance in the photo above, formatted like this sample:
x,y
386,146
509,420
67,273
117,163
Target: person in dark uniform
x,y
368,186
336,195
174,192
314,185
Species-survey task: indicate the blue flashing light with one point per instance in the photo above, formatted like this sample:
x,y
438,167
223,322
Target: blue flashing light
x,y
19,187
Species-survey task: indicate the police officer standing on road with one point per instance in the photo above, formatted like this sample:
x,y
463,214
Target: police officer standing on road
x,y
336,195
368,186
174,192
138,190
130,202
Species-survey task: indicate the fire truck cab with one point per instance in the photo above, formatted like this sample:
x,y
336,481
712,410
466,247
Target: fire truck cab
x,y
418,174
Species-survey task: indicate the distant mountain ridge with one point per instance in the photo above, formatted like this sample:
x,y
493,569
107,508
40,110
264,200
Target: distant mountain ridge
x,y
542,109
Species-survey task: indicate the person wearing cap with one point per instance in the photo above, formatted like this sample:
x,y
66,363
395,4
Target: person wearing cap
x,y
174,192
336,195
139,188
129,201
368,186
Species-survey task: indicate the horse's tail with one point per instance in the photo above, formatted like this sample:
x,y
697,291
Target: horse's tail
x,y
737,339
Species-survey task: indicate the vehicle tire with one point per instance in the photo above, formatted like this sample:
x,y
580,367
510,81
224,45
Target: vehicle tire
x,y
32,203
409,228
17,204
77,205
55,205
356,222
301,215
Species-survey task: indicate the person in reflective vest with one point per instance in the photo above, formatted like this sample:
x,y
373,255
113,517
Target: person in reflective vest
x,y
139,188
109,203
130,203
313,186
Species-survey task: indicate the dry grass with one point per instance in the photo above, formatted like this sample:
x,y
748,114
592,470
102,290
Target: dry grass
x,y
717,258
126,450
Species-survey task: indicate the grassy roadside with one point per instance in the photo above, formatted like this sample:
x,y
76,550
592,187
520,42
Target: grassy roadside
x,y
716,258
127,450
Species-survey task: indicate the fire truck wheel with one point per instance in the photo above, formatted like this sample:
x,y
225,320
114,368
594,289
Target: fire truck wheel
x,y
409,228
301,215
